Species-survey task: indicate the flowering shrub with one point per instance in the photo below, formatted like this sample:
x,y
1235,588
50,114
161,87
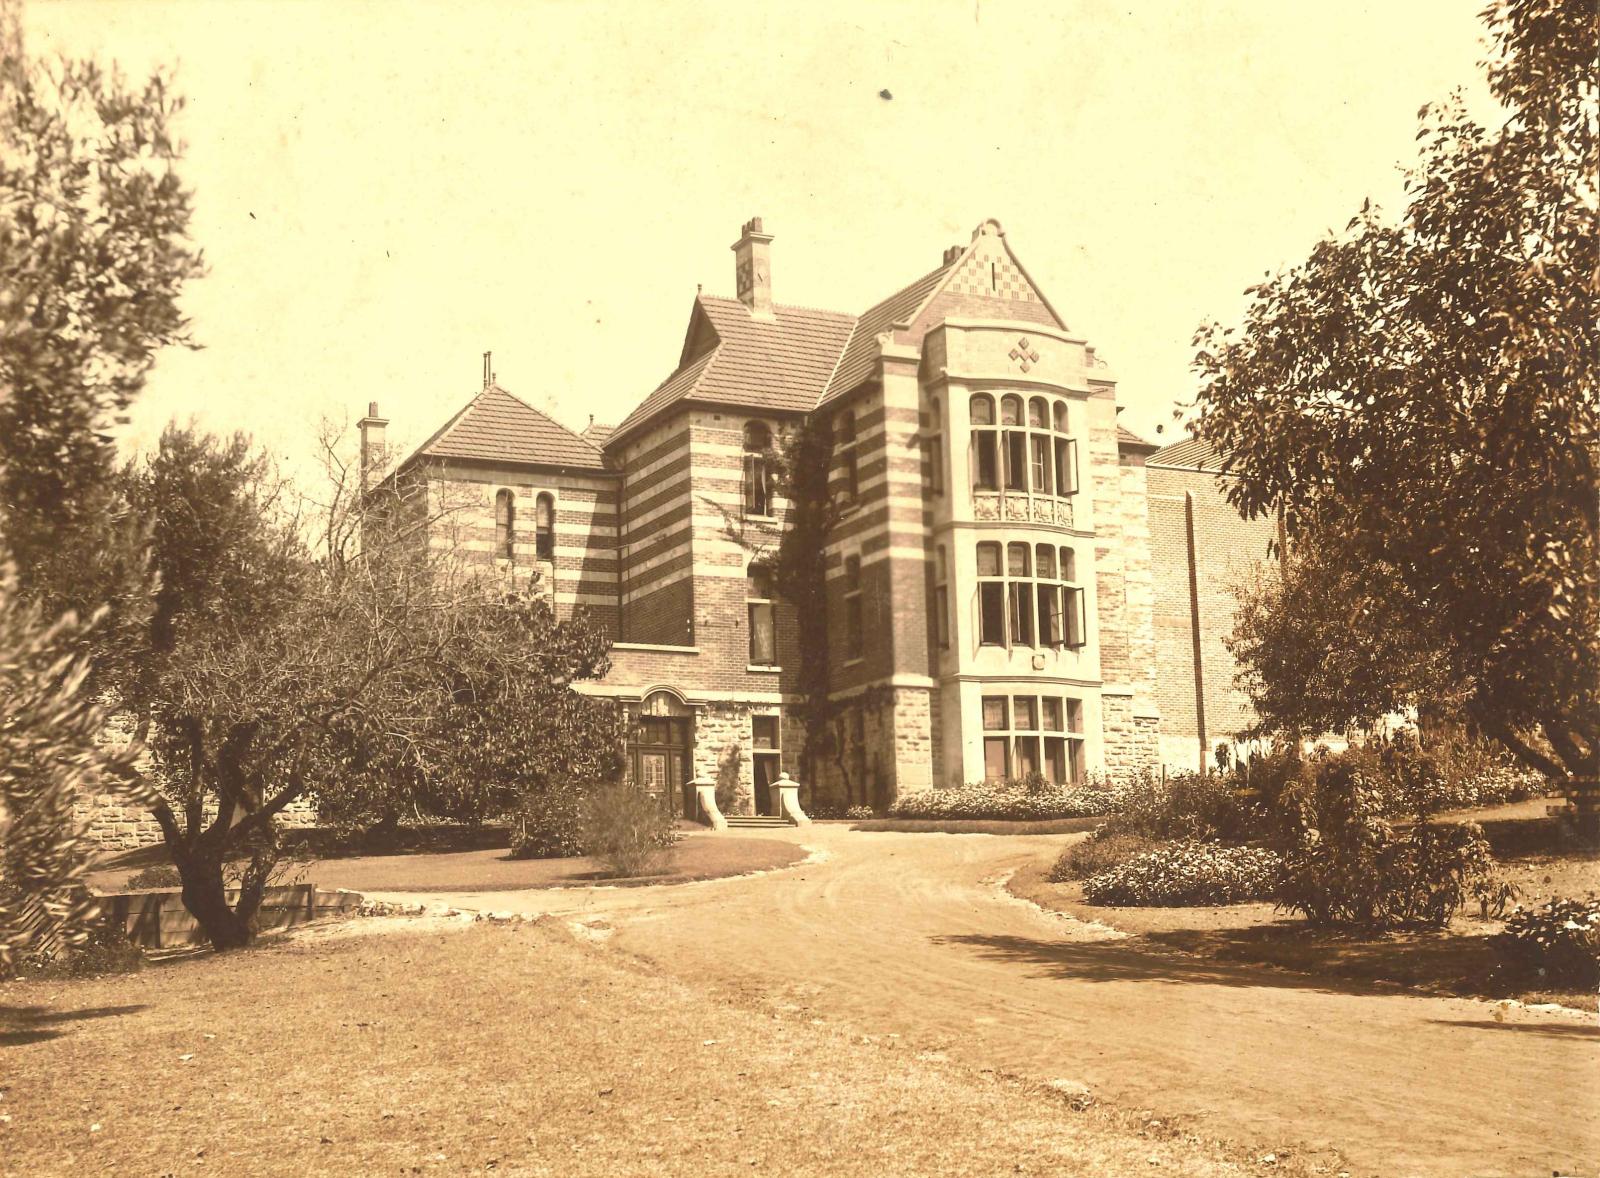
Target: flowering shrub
x,y
858,813
1099,852
1006,801
626,829
547,823
1346,864
1558,941
1187,873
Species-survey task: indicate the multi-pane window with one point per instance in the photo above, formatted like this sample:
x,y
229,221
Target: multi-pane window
x,y
1028,596
853,641
544,526
845,433
941,599
757,469
1028,734
763,631
1026,449
505,525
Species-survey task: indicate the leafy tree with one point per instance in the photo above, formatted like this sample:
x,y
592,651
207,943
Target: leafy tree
x,y
1321,647
93,256
49,755
373,675
1420,397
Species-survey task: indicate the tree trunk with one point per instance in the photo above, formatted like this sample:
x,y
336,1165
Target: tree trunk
x,y
206,897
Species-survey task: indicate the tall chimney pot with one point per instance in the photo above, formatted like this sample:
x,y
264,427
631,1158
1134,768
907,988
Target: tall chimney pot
x,y
752,268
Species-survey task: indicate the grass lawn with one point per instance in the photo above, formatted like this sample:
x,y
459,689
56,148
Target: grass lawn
x,y
512,1049
1455,961
698,856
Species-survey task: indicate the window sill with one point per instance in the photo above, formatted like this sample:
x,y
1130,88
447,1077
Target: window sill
x,y
762,669
752,517
855,662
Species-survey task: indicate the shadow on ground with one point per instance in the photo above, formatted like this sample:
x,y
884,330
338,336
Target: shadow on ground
x,y
33,1024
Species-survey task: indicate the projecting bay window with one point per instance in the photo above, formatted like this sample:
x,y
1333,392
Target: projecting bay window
x,y
1032,599
1026,450
1024,735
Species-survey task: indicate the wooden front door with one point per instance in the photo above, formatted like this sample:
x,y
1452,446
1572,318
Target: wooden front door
x,y
659,753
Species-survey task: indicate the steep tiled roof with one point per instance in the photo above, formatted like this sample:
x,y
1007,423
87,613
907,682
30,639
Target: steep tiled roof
x,y
596,434
781,363
860,354
1191,453
497,427
1128,440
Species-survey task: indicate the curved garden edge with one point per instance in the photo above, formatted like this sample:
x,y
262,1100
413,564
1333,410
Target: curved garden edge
x,y
997,826
697,857
1456,962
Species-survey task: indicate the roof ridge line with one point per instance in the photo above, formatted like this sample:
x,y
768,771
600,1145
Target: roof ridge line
x,y
539,413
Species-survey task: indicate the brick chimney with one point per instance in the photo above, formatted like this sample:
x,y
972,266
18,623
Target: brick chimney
x,y
372,429
752,256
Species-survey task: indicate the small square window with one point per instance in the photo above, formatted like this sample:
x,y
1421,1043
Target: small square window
x,y
994,712
1074,715
1052,714
1023,705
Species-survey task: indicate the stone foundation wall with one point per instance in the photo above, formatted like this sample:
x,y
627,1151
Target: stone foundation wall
x,y
117,825
1131,742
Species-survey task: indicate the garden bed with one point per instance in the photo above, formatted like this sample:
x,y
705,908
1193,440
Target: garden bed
x,y
979,825
699,856
1456,961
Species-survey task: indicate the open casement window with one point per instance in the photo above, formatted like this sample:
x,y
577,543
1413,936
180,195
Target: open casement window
x,y
991,596
544,519
763,630
845,440
984,458
1019,597
757,500
853,635
505,525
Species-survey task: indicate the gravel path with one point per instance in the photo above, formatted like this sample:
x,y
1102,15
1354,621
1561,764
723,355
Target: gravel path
x,y
912,934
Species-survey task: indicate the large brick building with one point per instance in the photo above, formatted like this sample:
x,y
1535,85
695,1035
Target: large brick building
x,y
993,607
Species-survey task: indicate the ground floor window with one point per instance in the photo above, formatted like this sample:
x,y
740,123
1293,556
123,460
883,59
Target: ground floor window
x,y
1025,735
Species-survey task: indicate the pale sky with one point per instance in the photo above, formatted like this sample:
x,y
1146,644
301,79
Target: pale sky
x,y
386,190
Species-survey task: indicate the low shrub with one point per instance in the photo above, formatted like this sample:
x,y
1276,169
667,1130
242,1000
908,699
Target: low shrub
x,y
548,824
1005,801
157,875
859,813
627,830
1238,804
1187,873
1344,862
1557,942
1097,853
106,950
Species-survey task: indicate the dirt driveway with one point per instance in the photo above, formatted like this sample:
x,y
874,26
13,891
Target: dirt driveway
x,y
909,934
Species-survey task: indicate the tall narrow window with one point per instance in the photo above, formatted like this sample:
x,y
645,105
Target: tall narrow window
x,y
1050,631
934,452
996,745
1074,607
853,637
991,596
505,525
846,433
1025,721
1015,443
544,522
757,469
985,455
758,604
941,599
1020,597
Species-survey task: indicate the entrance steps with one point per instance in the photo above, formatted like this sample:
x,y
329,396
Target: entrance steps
x,y
757,822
